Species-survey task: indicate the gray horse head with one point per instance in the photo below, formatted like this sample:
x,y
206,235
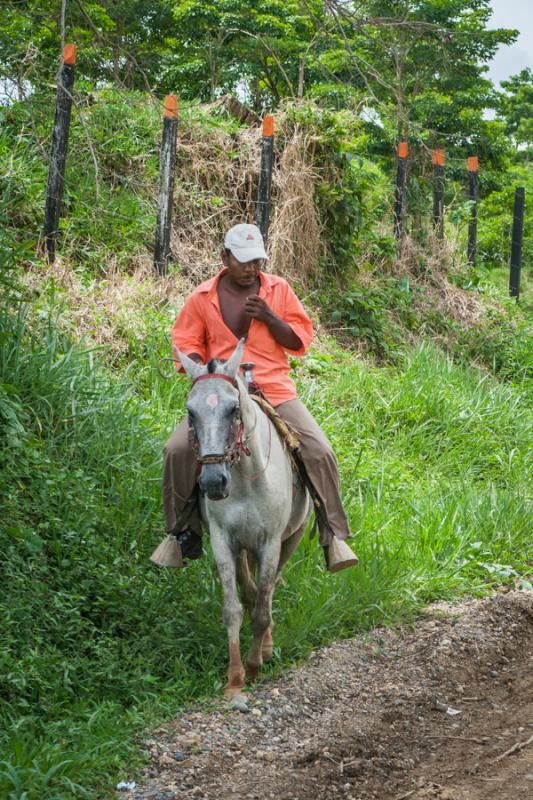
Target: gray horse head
x,y
214,409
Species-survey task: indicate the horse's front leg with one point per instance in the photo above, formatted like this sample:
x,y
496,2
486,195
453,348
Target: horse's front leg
x,y
262,614
232,613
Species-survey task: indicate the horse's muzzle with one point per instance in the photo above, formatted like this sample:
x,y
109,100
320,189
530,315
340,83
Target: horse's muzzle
x,y
214,481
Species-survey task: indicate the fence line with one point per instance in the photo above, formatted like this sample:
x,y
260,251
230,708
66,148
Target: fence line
x,y
58,156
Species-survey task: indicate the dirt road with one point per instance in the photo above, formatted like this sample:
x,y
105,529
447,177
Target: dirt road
x,y
360,719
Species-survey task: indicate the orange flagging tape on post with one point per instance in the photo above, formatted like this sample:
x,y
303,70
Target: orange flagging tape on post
x,y
171,106
402,150
268,125
473,163
69,54
437,158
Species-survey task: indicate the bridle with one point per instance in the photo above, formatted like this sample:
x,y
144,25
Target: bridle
x,y
237,442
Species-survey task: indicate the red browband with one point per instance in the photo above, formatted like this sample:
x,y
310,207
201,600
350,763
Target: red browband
x,y
216,375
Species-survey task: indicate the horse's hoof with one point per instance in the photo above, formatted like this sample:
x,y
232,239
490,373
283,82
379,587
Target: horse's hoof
x,y
232,691
238,703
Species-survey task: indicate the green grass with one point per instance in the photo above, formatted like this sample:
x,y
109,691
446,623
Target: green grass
x,y
97,643
499,278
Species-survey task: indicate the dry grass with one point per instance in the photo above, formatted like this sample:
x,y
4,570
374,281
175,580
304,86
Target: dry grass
x,y
295,242
108,312
429,268
217,188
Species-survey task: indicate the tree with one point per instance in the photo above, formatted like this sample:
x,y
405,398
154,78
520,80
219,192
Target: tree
x,y
515,107
239,44
119,41
421,62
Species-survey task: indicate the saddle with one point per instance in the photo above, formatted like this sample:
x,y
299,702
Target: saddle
x,y
290,438
338,554
288,435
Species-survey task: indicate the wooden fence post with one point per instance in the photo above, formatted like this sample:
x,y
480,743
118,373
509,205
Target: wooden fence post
x,y
438,191
516,245
58,151
473,166
262,213
166,185
399,208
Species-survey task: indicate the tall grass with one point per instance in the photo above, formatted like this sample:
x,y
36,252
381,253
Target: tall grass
x,y
97,643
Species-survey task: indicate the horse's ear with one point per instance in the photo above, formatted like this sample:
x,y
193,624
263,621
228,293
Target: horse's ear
x,y
231,367
192,369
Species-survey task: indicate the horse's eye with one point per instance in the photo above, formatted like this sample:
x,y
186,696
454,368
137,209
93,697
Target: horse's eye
x,y
234,410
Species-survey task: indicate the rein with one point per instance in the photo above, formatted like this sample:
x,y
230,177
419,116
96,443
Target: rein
x,y
257,475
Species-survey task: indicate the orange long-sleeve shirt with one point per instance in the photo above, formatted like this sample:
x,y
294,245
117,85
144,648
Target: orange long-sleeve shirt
x,y
201,329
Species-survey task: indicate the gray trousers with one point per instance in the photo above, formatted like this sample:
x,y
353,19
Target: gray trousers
x,y
179,473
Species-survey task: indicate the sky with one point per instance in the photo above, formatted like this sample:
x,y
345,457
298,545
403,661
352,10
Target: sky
x,y
511,59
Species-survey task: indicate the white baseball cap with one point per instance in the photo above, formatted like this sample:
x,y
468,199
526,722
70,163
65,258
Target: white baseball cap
x,y
245,242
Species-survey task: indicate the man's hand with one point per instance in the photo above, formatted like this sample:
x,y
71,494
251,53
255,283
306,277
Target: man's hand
x,y
284,335
257,308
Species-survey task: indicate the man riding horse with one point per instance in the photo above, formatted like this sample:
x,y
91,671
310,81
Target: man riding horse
x,y
243,302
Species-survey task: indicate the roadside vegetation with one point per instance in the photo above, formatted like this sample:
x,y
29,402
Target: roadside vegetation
x,y
421,375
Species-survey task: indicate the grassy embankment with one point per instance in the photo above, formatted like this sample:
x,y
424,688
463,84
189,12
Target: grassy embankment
x,y
97,643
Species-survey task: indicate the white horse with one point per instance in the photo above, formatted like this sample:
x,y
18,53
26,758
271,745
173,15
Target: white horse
x,y
254,505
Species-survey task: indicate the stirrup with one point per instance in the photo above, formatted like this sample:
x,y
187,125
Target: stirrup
x,y
340,556
168,553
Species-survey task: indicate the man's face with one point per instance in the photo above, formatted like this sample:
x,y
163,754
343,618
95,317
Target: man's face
x,y
242,273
